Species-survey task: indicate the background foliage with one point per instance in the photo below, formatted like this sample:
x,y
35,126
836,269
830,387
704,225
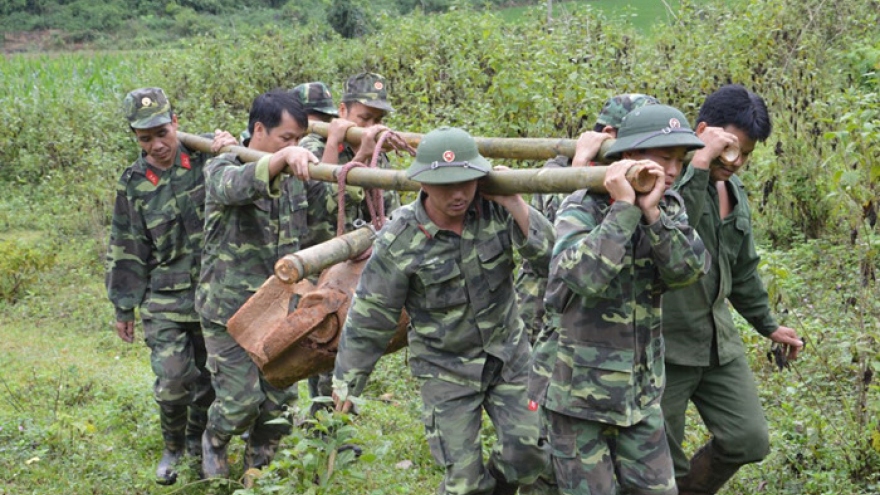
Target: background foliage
x,y
75,399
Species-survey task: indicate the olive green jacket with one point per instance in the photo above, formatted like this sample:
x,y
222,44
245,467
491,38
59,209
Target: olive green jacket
x,y
694,314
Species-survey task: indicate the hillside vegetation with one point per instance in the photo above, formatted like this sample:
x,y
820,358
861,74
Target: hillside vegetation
x,y
76,414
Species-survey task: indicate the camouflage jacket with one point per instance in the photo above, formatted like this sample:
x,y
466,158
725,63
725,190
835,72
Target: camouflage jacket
x,y
601,358
155,245
529,286
457,290
696,320
355,206
250,223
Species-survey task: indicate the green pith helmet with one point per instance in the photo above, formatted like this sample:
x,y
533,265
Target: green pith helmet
x,y
616,108
653,126
315,98
369,89
146,108
447,155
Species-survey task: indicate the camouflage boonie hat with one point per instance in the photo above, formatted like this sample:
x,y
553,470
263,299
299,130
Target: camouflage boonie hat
x,y
653,126
146,108
367,88
447,155
616,108
315,97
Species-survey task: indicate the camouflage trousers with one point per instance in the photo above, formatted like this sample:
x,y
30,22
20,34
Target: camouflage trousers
x,y
245,400
178,357
592,458
453,416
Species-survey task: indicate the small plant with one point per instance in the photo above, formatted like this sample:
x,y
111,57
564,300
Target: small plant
x,y
20,265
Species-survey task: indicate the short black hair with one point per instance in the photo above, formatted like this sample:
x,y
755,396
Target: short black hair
x,y
268,108
735,105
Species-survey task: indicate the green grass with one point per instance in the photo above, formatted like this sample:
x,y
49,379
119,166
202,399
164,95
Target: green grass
x,y
641,14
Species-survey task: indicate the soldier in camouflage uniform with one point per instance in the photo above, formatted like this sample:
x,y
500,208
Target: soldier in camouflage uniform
x,y
529,287
153,264
315,98
447,258
255,214
597,367
364,104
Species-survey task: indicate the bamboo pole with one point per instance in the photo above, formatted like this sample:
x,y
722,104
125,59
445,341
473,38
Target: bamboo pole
x,y
518,181
311,261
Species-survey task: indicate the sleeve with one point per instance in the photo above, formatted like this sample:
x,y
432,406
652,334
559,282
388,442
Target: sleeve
x,y
692,188
538,245
128,254
372,318
589,250
748,294
677,250
230,183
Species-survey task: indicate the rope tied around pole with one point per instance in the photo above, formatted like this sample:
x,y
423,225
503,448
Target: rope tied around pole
x,y
374,198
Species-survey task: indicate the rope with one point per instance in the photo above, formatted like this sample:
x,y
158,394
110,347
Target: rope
x,y
374,198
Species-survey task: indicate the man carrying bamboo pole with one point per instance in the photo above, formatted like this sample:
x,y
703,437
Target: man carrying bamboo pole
x,y
530,287
447,258
153,263
255,214
597,369
705,359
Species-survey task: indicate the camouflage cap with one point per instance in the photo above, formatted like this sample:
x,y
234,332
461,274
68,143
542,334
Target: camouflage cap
x,y
653,126
367,88
617,107
315,98
146,108
447,155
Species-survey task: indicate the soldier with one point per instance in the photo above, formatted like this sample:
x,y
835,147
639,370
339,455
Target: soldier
x,y
364,104
598,366
255,214
705,360
317,101
447,258
153,264
529,287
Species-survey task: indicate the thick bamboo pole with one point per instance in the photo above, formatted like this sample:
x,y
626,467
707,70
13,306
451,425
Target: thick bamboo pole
x,y
311,261
519,181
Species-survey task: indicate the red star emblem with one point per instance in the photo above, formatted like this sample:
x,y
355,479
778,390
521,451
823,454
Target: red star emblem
x,y
674,123
448,155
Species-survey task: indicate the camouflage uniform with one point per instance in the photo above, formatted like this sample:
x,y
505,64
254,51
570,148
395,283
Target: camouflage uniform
x,y
529,287
466,340
251,222
153,264
597,368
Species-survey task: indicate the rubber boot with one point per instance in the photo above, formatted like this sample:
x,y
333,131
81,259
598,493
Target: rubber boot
x,y
215,463
707,474
502,486
173,422
261,447
197,419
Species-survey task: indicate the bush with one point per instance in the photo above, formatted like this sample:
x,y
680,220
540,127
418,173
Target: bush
x,y
20,266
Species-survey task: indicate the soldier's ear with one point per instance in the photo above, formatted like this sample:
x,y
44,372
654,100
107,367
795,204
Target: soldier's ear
x,y
259,128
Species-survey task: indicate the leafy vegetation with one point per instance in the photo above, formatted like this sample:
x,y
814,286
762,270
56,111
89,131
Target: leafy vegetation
x,y
76,415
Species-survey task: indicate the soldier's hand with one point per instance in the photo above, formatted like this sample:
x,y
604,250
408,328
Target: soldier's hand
x,y
125,330
369,139
336,131
649,202
296,161
587,147
789,340
716,140
617,185
339,404
221,140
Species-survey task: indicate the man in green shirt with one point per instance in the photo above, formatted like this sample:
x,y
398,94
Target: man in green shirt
x,y
705,358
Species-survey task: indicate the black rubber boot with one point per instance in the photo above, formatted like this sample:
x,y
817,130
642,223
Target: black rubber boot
x,y
502,486
197,419
707,474
261,447
215,463
173,422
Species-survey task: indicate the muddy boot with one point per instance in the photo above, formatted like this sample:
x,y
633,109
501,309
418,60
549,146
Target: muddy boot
x,y
261,448
173,422
215,463
502,486
707,474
